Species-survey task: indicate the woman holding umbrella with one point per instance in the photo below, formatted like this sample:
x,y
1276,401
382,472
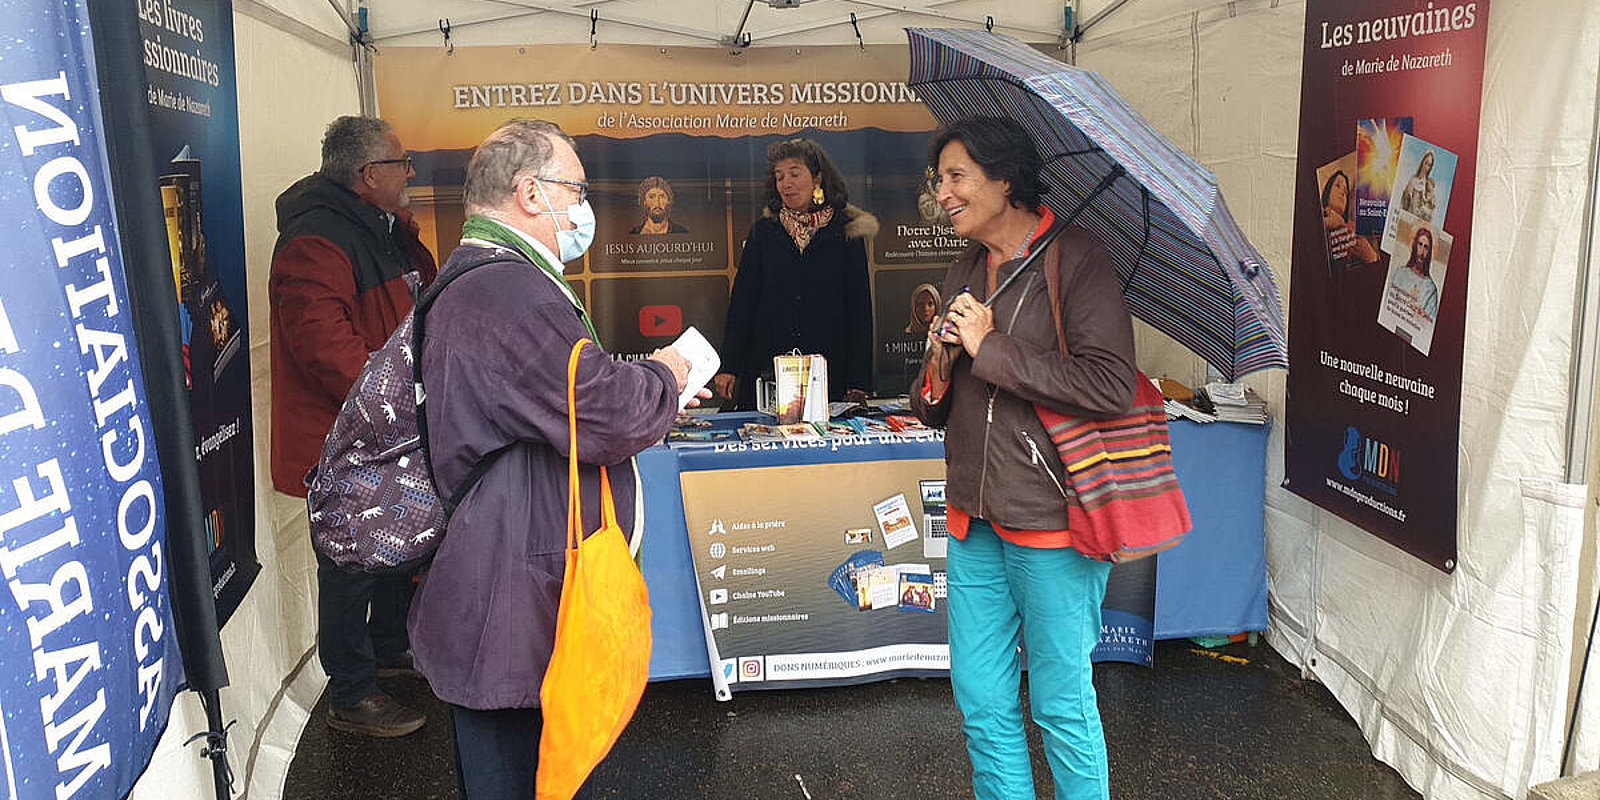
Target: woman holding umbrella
x,y
1012,572
802,282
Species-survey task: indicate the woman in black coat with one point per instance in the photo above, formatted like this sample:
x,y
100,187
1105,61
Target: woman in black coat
x,y
802,281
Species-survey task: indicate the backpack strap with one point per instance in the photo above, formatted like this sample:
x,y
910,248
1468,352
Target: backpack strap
x,y
419,314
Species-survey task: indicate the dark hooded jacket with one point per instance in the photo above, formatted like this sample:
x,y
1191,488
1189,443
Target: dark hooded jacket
x,y
337,291
818,302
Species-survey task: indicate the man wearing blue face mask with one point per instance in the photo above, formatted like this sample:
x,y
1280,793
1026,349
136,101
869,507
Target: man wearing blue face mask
x,y
494,361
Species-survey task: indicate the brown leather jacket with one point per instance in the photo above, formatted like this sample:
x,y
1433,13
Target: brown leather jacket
x,y
1001,465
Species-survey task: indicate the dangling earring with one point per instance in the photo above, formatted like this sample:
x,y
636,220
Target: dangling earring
x,y
817,196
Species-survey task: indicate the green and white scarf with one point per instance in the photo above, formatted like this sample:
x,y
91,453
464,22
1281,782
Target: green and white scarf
x,y
480,231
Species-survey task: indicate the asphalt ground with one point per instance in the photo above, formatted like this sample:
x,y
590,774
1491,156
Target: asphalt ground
x,y
1236,722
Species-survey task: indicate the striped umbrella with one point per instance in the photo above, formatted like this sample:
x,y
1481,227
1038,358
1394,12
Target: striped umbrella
x,y
1186,268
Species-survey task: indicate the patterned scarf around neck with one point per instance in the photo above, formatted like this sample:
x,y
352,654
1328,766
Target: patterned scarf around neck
x,y
802,225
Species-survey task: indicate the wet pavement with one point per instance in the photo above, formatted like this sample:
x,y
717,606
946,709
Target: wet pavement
x,y
1235,722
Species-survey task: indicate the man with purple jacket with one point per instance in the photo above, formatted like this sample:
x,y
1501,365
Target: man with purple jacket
x,y
494,362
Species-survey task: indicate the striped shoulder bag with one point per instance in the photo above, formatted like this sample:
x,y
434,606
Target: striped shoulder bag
x,y
1123,498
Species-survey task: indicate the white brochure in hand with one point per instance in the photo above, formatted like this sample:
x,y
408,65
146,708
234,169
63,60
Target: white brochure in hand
x,y
703,362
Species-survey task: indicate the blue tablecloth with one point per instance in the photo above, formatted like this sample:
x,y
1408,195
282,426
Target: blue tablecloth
x,y
1215,582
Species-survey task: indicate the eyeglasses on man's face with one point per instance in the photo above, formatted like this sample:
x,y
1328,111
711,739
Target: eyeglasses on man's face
x,y
406,160
581,186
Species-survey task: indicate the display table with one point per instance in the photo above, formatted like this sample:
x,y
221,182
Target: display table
x,y
1212,583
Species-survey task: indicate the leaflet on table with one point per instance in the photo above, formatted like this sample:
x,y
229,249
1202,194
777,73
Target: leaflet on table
x,y
894,519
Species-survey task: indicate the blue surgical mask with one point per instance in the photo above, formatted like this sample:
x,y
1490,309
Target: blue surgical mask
x,y
573,243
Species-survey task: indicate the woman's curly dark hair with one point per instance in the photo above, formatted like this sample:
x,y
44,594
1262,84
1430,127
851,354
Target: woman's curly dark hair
x,y
816,160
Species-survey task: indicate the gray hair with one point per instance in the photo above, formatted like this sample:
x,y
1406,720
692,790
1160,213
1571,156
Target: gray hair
x,y
518,149
349,144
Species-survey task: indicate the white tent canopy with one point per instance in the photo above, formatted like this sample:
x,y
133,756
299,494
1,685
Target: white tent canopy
x,y
1464,682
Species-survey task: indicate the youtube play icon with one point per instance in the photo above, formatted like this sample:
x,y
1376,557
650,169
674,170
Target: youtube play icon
x,y
660,320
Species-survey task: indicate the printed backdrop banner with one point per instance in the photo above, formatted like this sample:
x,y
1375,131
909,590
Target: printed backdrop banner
x,y
86,628
688,157
828,566
194,126
1383,235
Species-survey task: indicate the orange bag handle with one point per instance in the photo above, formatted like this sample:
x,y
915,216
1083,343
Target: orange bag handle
x,y
608,507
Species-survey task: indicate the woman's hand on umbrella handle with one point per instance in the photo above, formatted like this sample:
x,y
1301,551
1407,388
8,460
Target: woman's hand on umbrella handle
x,y
725,383
972,321
942,331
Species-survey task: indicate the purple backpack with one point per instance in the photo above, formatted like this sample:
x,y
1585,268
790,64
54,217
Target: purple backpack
x,y
372,499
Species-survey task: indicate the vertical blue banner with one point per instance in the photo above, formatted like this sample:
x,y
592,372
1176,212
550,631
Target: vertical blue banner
x,y
87,638
189,91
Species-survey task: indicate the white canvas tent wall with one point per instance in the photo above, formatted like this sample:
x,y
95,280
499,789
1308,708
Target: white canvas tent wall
x,y
1461,681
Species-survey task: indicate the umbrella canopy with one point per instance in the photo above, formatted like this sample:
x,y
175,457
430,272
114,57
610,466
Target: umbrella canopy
x,y
1186,268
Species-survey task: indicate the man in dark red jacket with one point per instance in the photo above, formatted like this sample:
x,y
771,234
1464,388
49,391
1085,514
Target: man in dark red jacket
x,y
338,289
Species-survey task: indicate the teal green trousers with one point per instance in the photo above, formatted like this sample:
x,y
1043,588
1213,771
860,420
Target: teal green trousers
x,y
1001,595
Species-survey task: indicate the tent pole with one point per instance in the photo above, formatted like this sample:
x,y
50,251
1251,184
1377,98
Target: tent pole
x,y
1090,22
1580,404
743,20
260,12
1585,316
360,22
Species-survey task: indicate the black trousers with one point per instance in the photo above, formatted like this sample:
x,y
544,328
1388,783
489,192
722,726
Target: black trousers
x,y
361,621
497,753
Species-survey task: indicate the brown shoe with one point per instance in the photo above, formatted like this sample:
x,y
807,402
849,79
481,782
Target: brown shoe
x,y
378,715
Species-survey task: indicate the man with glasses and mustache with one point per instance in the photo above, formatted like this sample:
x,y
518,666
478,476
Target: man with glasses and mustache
x,y
338,288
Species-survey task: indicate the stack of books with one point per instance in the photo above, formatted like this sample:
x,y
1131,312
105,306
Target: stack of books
x,y
1237,403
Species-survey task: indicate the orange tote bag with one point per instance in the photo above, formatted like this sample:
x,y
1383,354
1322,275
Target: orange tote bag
x,y
601,660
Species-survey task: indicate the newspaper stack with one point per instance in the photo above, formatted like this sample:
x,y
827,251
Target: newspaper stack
x,y
1237,403
1176,410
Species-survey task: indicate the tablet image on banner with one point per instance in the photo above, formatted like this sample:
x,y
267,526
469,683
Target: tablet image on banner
x,y
1410,305
1377,152
935,531
1422,184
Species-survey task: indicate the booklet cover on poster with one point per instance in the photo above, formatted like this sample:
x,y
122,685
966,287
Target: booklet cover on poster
x,y
1377,151
1422,181
1409,307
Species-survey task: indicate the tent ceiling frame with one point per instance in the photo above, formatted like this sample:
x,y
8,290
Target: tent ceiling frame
x,y
268,15
1095,20
581,10
929,11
